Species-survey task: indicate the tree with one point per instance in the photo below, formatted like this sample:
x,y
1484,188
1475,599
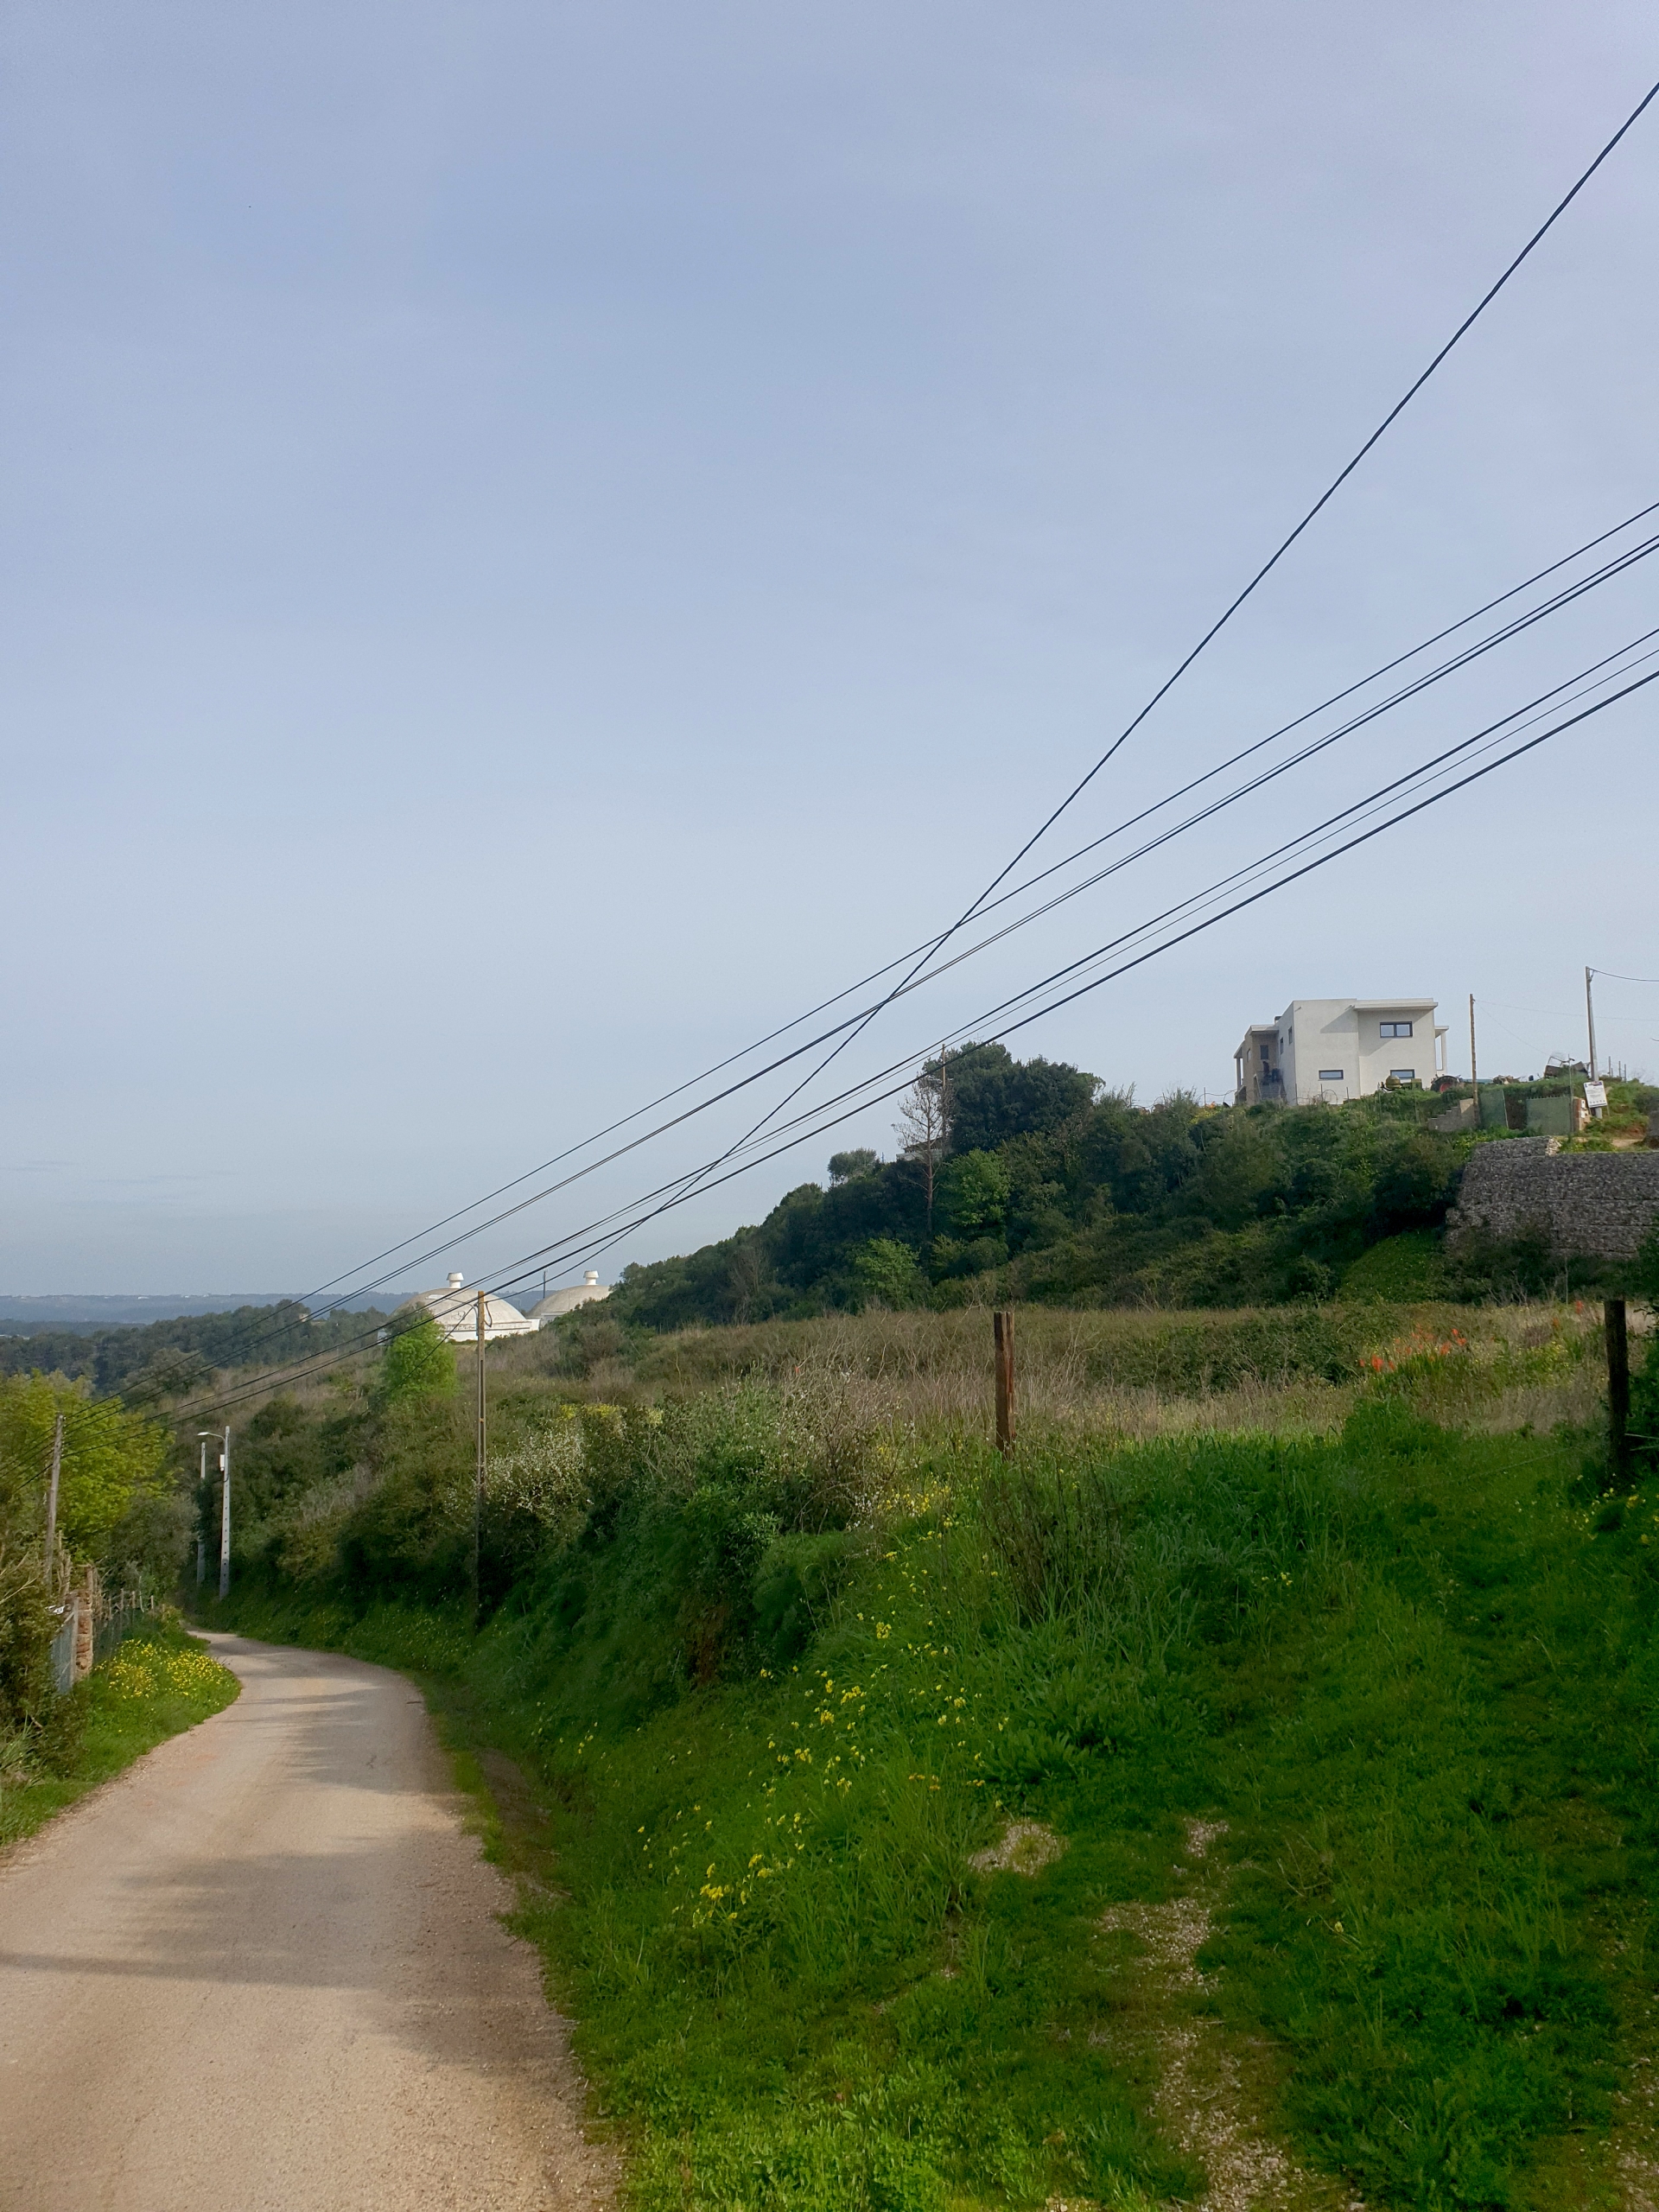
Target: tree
x,y
112,1457
994,1097
924,1125
974,1190
886,1273
846,1166
419,1363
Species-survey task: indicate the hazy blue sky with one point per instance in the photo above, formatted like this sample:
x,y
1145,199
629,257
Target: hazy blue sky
x,y
539,540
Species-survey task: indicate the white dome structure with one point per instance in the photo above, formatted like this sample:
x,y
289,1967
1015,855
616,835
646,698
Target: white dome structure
x,y
455,1308
566,1301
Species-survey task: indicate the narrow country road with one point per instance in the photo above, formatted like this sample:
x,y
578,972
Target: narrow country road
x,y
261,1971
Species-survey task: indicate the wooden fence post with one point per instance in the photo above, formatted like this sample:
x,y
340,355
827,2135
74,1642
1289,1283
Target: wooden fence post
x,y
1619,1386
1002,1336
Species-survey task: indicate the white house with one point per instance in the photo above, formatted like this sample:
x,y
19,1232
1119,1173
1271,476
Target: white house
x,y
566,1301
455,1308
1333,1049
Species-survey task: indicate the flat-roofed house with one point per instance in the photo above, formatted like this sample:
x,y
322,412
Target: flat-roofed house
x,y
1332,1049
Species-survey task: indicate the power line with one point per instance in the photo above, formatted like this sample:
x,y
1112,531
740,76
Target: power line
x,y
1216,628
1490,735
1266,568
693,1175
527,1263
1335,485
1233,606
1565,595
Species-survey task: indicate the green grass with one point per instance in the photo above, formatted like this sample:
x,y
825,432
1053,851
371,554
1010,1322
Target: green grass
x,y
1402,1269
1413,1671
159,1681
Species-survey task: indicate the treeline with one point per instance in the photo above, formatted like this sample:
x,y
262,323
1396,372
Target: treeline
x,y
1030,1181
161,1359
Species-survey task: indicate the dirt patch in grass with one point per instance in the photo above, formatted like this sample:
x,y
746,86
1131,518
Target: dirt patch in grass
x,y
1205,2100
1025,1848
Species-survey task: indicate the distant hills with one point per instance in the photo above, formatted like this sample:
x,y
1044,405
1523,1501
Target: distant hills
x,y
76,1310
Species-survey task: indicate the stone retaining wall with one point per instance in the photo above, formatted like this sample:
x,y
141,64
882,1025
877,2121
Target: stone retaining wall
x,y
1594,1204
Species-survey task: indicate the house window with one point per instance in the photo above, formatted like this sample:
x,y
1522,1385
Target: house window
x,y
1403,1075
1330,1075
1394,1029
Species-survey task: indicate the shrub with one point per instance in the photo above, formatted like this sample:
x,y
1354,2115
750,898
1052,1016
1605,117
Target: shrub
x,y
886,1273
418,1363
26,1629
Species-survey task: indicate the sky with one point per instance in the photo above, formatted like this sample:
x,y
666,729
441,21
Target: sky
x,y
541,542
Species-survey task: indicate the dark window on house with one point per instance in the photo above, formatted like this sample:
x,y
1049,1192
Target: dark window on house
x,y
1403,1075
1394,1028
1330,1075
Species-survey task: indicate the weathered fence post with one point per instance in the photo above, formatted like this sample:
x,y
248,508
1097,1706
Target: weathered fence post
x,y
1002,1337
1619,1386
87,1597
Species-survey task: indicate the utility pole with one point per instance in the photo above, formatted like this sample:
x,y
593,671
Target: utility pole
x,y
1589,1013
477,1480
1002,1337
201,1498
1474,1072
52,1493
225,1518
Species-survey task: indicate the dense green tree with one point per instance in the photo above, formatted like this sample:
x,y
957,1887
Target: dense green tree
x,y
844,1165
973,1194
992,1096
111,1457
418,1363
888,1273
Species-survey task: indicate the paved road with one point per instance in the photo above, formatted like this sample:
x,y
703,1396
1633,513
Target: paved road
x,y
261,1971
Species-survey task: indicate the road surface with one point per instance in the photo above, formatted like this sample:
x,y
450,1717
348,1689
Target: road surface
x,y
261,1971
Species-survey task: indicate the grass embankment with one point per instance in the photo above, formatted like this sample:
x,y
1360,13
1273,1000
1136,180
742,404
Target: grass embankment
x,y
1344,1745
159,1681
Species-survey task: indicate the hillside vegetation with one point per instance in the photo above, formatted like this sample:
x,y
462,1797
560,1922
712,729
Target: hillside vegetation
x,y
121,1513
152,1361
1030,1181
1254,1778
